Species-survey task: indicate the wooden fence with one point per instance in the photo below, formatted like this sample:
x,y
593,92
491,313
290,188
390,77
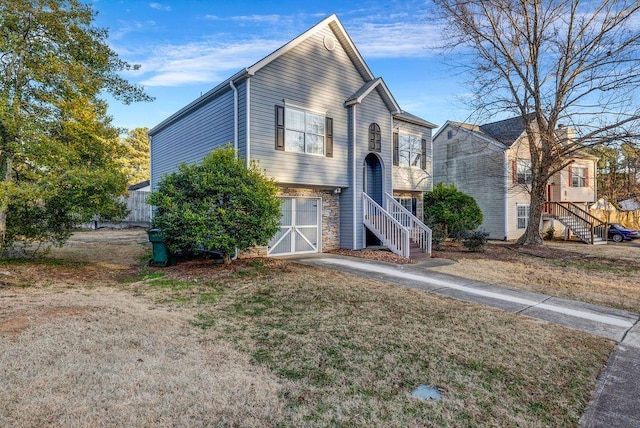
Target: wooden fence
x,y
630,219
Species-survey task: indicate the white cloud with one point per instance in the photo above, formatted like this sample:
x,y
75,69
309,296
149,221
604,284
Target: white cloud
x,y
158,6
126,27
202,62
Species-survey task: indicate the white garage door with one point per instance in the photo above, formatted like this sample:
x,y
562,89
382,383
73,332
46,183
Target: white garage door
x,y
299,227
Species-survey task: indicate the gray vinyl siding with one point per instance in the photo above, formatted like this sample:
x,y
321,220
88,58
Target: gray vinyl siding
x,y
476,168
312,77
410,179
372,109
242,120
192,136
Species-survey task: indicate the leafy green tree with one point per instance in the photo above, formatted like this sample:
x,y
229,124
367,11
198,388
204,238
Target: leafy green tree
x,y
217,204
451,211
135,161
57,145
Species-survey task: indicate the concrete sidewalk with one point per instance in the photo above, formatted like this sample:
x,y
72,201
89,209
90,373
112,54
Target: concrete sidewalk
x,y
616,399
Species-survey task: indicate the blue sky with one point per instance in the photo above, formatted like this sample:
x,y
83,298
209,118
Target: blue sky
x,y
187,47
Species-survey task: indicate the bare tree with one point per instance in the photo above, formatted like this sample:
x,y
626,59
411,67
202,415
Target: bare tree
x,y
555,62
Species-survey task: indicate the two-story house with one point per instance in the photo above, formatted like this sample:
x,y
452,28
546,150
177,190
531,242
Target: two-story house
x,y
350,163
492,163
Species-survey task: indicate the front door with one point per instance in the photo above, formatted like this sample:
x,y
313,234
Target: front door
x,y
299,227
547,207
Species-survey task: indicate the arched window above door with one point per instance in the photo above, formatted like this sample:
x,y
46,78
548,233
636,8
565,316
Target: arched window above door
x,y
375,143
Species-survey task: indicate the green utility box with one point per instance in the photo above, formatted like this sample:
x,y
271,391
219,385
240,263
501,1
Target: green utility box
x,y
161,255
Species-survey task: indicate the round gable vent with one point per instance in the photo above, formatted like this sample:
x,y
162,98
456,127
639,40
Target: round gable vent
x,y
329,43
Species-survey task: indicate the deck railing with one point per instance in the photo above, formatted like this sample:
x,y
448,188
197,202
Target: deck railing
x,y
419,232
584,225
390,231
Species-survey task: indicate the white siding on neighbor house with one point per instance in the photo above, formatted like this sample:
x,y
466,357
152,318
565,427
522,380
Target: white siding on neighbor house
x,y
568,193
414,178
476,168
192,136
309,76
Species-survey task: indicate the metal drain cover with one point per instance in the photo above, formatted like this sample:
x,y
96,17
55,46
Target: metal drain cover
x,y
426,392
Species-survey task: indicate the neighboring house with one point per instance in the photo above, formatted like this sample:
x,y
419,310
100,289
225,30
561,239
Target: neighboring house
x,y
317,120
492,163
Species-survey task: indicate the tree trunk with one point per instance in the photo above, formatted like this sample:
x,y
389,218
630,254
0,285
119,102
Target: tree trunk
x,y
532,235
7,168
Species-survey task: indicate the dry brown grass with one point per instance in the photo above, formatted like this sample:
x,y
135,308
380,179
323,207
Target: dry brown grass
x,y
98,339
601,274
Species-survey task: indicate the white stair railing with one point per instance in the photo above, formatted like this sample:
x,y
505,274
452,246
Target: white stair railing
x,y
387,229
420,233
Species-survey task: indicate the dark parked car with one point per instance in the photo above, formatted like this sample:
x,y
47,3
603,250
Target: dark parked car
x,y
619,233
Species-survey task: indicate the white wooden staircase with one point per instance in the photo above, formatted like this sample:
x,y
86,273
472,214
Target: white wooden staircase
x,y
399,230
588,228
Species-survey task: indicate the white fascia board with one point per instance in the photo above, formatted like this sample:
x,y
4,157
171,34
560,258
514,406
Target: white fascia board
x,y
378,82
304,36
468,131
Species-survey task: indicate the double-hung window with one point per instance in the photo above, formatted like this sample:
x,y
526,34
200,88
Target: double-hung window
x,y
523,216
409,150
523,171
578,176
304,131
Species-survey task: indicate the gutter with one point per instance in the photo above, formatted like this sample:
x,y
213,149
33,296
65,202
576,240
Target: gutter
x,y
506,193
354,180
235,117
248,130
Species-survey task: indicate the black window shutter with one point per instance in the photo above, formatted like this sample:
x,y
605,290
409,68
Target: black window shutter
x,y
378,139
328,127
424,154
396,153
279,127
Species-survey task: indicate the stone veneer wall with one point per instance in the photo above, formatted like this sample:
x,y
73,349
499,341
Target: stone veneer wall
x,y
330,218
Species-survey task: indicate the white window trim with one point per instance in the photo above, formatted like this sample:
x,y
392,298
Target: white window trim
x,y
292,106
582,177
420,138
528,174
525,217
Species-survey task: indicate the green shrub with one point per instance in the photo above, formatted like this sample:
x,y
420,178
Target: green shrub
x,y
475,241
453,211
217,204
549,233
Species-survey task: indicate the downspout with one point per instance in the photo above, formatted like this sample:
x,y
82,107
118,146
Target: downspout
x,y
248,108
235,117
354,180
506,194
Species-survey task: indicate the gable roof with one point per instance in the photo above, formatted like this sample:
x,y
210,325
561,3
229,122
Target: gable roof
x,y
336,26
367,88
344,39
506,131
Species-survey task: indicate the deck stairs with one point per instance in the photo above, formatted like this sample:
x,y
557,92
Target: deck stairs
x,y
399,230
583,225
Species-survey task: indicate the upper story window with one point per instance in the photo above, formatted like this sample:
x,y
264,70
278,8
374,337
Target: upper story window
x,y
304,131
449,134
375,137
409,150
523,171
578,176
